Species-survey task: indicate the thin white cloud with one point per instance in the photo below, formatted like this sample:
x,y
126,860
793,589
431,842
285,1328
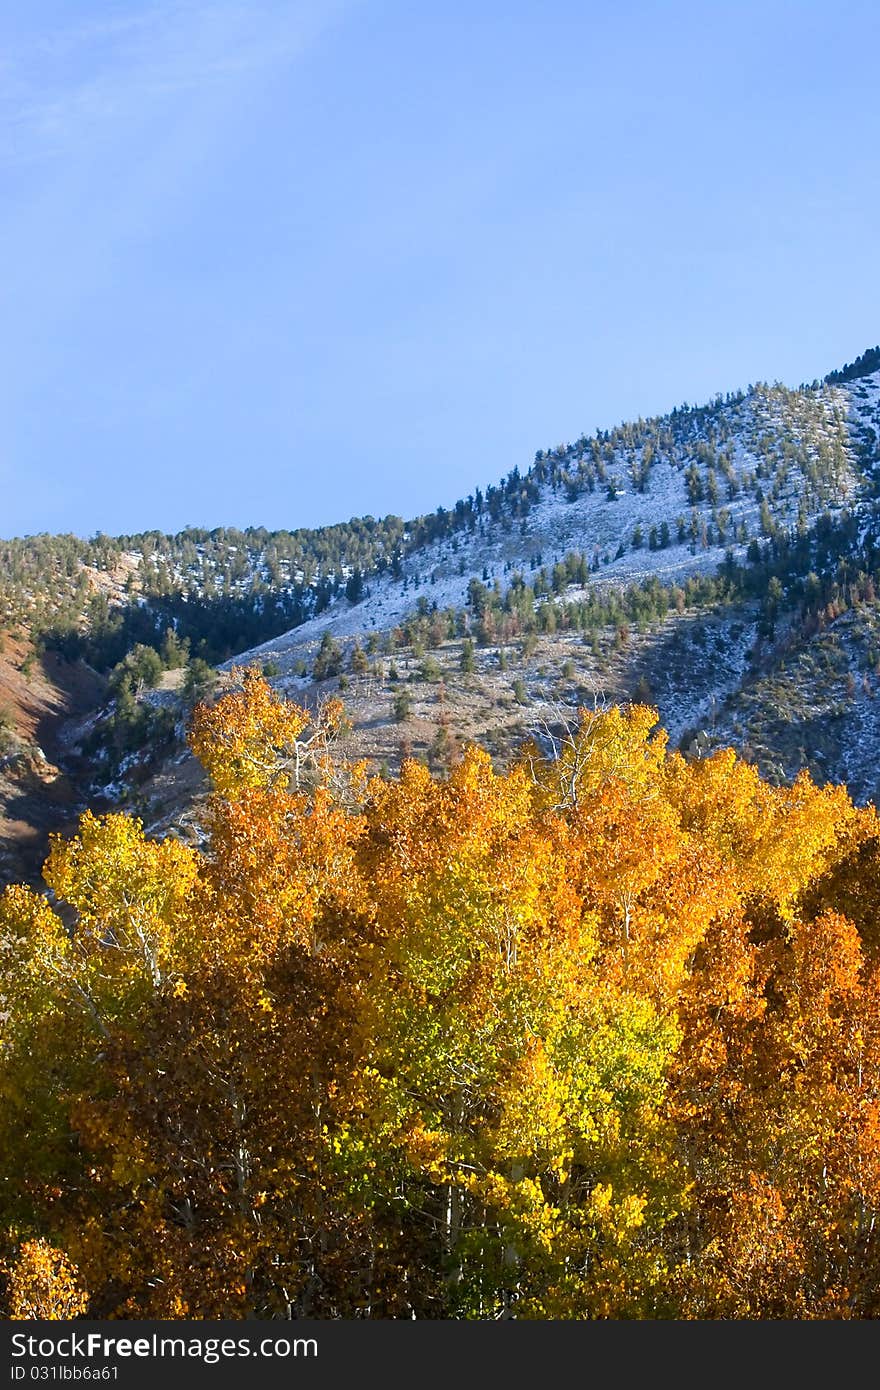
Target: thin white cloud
x,y
61,89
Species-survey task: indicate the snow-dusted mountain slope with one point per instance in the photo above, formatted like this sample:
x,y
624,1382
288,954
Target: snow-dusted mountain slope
x,y
769,659
668,498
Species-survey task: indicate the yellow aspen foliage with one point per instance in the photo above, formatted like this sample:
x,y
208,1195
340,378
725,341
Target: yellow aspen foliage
x,y
131,895
594,1036
252,738
34,950
44,1284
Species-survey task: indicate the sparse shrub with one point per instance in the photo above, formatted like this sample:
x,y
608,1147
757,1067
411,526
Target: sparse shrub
x,y
199,681
402,706
328,662
430,669
358,664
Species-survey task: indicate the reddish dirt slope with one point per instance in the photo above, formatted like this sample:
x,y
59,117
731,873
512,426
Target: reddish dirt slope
x,y
37,696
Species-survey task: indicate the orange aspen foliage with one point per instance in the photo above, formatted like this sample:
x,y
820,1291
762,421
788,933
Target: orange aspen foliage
x,y
595,1036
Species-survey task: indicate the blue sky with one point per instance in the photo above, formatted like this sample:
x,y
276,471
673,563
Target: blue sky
x,y
280,263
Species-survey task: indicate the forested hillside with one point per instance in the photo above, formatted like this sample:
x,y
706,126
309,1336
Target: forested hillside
x,y
695,560
754,464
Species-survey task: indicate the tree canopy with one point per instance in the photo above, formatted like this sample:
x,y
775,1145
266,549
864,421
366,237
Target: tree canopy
x,y
596,1036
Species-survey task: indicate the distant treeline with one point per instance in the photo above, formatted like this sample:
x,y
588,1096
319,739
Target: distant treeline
x,y
863,366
